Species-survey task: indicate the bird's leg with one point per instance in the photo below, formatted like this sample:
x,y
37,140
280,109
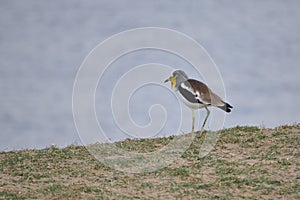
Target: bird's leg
x,y
208,112
193,119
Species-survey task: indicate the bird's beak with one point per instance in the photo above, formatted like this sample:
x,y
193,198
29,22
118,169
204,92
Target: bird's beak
x,y
173,81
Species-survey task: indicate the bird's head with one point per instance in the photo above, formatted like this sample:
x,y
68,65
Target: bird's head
x,y
177,77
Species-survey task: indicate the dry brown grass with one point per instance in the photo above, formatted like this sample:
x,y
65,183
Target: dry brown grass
x,y
247,162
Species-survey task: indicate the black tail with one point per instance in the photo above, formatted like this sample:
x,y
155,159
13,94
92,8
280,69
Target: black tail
x,y
226,107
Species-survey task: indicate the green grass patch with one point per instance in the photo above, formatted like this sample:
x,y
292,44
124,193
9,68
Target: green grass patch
x,y
246,163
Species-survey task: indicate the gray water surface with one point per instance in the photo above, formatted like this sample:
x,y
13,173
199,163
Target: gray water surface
x,y
255,44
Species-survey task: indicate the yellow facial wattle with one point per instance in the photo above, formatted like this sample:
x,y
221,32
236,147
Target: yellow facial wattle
x,y
173,81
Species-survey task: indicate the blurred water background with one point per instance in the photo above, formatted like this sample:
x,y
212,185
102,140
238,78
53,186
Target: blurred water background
x,y
255,44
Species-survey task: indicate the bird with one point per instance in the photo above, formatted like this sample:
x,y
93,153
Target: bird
x,y
196,95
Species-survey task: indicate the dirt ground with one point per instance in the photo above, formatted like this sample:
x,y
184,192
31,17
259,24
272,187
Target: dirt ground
x,y
245,163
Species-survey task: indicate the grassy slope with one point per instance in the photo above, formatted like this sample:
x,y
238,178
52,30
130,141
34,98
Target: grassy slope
x,y
247,162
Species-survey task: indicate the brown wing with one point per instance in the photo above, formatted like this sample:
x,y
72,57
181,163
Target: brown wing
x,y
206,95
